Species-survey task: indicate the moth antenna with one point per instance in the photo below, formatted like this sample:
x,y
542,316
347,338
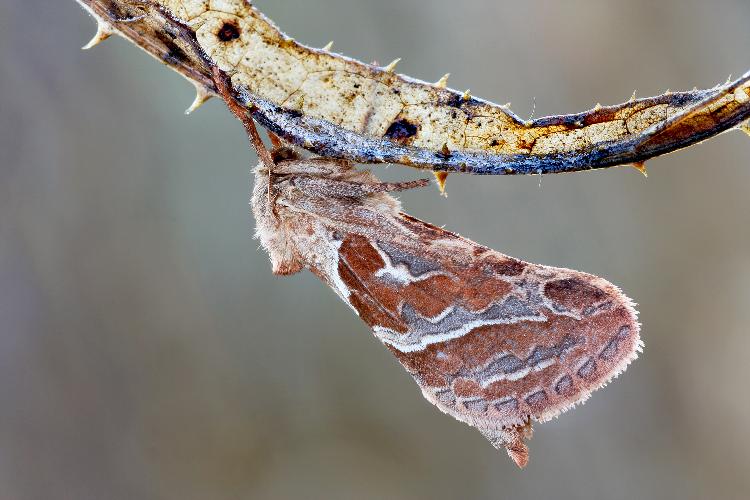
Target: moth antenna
x,y
201,97
103,31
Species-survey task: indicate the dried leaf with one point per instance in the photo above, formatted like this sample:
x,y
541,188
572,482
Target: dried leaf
x,y
338,107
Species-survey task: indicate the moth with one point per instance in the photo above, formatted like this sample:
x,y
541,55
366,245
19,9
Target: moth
x,y
337,107
490,340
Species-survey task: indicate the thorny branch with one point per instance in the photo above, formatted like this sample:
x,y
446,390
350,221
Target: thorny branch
x,y
379,116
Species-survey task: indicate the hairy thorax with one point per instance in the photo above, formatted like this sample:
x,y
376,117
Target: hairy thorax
x,y
299,204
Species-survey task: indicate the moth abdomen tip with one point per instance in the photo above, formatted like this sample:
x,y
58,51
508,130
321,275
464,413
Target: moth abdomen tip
x,y
519,454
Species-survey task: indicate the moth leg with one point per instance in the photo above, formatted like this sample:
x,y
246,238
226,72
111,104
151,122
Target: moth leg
x,y
224,87
512,440
275,140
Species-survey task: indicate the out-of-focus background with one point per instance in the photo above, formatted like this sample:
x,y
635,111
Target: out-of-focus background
x,y
146,351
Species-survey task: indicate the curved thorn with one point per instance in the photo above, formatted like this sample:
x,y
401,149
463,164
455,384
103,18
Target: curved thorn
x,y
441,178
201,97
103,31
328,46
391,67
641,167
443,82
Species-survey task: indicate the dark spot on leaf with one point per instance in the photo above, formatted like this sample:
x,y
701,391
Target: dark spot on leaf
x,y
401,130
229,31
292,113
455,100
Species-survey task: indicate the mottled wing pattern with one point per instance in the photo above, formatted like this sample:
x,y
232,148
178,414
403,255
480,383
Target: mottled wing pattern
x,y
491,340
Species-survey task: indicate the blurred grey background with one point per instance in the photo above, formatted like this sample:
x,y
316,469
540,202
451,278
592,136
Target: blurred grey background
x,y
146,351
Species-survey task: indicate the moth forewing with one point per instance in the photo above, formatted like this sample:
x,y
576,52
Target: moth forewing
x,y
492,341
